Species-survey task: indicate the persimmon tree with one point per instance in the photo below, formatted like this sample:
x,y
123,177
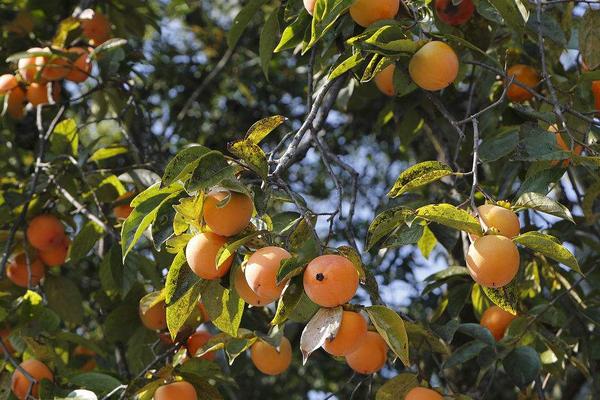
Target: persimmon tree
x,y
314,199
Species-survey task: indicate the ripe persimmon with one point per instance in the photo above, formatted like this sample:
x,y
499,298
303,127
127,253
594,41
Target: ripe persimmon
x,y
497,321
17,98
353,330
30,66
45,232
370,356
176,391
227,214
268,359
20,384
55,256
155,316
95,26
123,209
7,83
502,219
201,253
87,358
454,14
434,66
196,341
4,334
55,66
365,12
493,260
596,92
261,271
18,272
421,393
330,280
246,293
310,5
577,148
384,80
525,75
81,68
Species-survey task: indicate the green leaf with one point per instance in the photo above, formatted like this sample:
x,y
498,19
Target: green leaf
x,y
391,327
181,166
505,297
522,365
268,41
403,236
325,14
224,307
261,129
417,334
591,194
346,65
294,33
419,175
548,246
64,298
65,138
397,387
288,302
385,223
353,255
252,155
229,249
108,152
539,202
427,242
66,26
101,384
549,27
323,325
85,240
589,32
241,21
162,226
180,278
289,268
538,144
451,216
478,332
180,309
466,352
515,14
494,148
210,170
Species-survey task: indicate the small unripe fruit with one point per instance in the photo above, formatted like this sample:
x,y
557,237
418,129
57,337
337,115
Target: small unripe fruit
x,y
421,393
434,66
231,218
370,356
497,321
365,12
525,75
268,359
18,272
330,280
201,253
45,232
385,80
176,391
353,330
20,384
493,260
261,271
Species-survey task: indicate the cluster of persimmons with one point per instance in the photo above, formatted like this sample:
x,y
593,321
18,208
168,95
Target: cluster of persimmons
x,y
37,77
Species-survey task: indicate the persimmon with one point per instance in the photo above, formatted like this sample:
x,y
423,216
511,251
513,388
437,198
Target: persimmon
x,y
525,75
353,330
261,271
22,24
196,341
123,209
55,66
370,356
201,253
7,83
497,321
227,213
55,256
246,293
502,219
154,317
330,280
18,272
493,260
87,358
384,80
95,26
577,148
30,66
20,384
37,93
268,359
596,92
176,391
203,312
421,393
434,66
45,232
310,6
365,12
81,68
4,334
17,98
454,14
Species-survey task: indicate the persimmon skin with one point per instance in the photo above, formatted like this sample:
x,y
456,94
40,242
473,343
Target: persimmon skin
x,y
525,75
81,68
55,67
246,293
365,12
90,362
201,253
29,67
452,14
203,312
493,261
268,360
261,271
45,232
122,211
497,321
17,99
196,341
7,83
505,221
384,80
421,393
330,280
230,219
37,370
560,142
434,66
370,356
596,92
176,391
155,318
310,6
353,330
18,273
95,26
4,334
55,256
